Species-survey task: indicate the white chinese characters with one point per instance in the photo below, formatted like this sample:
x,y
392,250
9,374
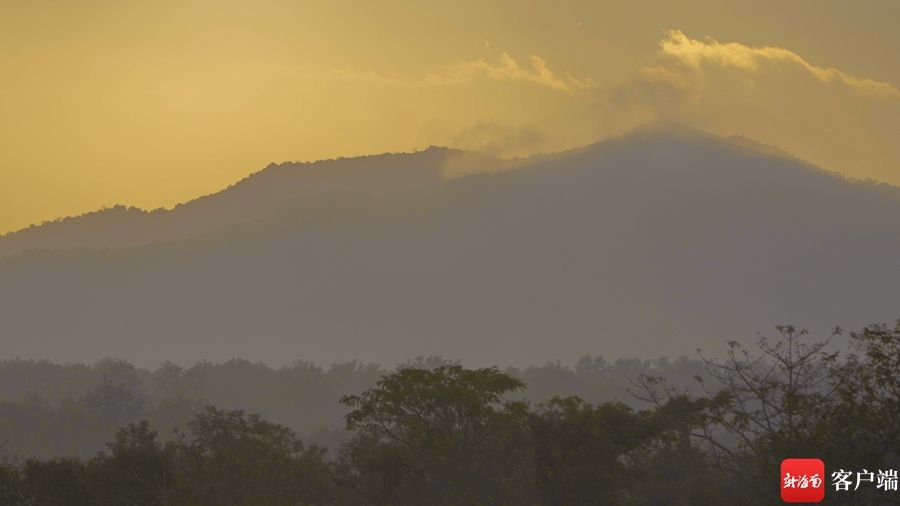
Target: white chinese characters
x,y
842,480
802,481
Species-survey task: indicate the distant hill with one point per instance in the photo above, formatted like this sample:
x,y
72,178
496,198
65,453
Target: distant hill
x,y
254,197
652,244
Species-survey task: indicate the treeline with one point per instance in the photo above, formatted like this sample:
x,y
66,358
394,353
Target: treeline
x,y
452,436
55,410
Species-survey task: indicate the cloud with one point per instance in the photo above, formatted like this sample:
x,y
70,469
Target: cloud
x,y
682,60
508,69
771,94
695,53
817,112
505,68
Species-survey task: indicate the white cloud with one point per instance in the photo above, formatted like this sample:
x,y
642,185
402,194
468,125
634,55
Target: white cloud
x,y
695,54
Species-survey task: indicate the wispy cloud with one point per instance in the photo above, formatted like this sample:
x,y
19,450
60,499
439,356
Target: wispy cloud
x,y
505,68
508,69
696,54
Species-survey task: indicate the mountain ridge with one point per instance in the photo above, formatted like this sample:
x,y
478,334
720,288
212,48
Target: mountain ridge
x,y
646,246
418,169
235,203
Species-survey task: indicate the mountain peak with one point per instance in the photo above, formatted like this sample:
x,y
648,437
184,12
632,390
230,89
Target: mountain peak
x,y
668,131
665,128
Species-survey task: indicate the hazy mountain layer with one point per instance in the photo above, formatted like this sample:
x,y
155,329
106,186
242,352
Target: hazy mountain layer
x,y
652,244
254,197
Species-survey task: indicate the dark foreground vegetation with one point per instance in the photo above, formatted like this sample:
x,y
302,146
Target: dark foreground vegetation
x,y
445,435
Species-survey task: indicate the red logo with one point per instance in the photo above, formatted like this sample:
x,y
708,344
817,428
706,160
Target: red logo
x,y
802,480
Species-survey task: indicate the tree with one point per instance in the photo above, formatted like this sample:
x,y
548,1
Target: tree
x,y
605,454
579,450
442,436
56,482
862,421
760,408
11,487
113,404
232,458
137,470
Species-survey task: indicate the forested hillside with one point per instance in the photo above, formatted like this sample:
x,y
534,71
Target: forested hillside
x,y
447,435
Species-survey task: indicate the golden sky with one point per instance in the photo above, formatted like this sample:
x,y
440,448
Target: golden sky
x,y
151,103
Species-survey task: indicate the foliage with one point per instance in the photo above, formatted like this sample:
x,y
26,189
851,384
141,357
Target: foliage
x,y
436,433
441,436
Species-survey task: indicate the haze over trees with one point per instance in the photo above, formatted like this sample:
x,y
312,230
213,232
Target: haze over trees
x,y
50,410
649,245
448,435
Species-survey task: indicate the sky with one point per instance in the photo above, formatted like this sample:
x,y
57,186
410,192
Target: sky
x,y
151,103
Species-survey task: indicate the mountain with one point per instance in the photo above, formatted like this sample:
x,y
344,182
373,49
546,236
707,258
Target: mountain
x,y
255,197
655,243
